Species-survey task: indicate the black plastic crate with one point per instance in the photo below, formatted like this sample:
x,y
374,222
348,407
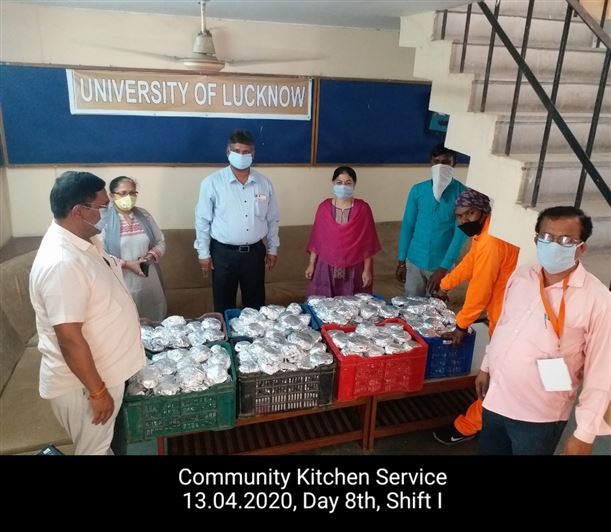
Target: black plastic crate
x,y
262,394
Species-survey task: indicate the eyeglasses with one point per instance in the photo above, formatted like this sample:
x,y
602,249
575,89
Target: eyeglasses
x,y
563,240
101,208
133,193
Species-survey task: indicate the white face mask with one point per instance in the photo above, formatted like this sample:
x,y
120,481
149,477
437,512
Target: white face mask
x,y
101,224
104,215
241,161
442,175
556,258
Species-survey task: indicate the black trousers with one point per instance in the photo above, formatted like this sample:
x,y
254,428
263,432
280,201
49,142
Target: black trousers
x,y
233,265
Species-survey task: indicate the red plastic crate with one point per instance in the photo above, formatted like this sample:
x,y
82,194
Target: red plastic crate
x,y
361,377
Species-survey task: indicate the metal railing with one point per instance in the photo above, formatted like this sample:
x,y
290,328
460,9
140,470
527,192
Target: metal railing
x,y
549,102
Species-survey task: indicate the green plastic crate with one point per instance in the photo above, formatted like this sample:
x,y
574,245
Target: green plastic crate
x,y
148,417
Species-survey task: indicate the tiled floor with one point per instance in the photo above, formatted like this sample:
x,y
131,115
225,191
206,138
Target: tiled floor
x,y
422,443
413,443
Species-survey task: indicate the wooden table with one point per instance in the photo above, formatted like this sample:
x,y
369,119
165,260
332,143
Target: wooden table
x,y
280,433
363,420
437,404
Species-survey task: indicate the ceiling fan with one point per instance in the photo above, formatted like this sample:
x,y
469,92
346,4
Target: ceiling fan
x,y
204,54
204,59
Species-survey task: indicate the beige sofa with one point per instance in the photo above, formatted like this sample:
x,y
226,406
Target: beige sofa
x,y
190,295
26,420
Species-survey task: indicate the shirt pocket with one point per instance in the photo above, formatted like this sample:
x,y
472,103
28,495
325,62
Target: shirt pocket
x,y
261,205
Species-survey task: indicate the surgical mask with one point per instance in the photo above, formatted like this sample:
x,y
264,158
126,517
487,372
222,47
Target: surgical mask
x,y
99,226
104,215
125,203
241,161
471,228
343,191
442,175
556,258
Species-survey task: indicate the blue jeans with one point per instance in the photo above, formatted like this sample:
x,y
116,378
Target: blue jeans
x,y
503,435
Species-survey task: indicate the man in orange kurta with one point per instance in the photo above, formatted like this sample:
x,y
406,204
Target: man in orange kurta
x,y
487,266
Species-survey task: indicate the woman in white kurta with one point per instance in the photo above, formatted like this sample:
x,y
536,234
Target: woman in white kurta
x,y
132,235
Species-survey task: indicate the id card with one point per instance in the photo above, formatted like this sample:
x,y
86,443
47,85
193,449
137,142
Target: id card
x,y
554,374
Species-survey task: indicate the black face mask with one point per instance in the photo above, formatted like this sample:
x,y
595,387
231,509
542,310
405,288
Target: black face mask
x,y
471,228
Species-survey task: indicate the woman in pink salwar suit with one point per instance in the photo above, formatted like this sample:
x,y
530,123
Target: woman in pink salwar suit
x,y
343,242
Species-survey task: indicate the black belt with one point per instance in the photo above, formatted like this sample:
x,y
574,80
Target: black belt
x,y
241,249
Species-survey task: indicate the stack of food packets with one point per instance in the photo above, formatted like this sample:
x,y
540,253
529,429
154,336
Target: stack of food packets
x,y
427,315
348,310
369,340
182,371
175,332
283,340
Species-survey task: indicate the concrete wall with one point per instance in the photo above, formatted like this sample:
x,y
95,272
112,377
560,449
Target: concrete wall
x,y
171,192
38,34
595,8
5,209
47,35
471,133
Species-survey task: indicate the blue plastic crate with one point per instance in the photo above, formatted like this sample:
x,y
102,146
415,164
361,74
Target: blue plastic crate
x,y
231,313
235,312
316,322
443,360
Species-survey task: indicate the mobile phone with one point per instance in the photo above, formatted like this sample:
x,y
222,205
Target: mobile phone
x,y
144,267
50,450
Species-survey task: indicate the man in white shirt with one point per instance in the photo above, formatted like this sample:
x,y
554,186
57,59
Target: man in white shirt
x,y
236,210
88,328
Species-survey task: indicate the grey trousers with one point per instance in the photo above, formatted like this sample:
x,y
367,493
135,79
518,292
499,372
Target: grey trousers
x,y
415,280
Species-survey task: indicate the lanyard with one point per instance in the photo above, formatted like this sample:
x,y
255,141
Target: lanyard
x,y
557,322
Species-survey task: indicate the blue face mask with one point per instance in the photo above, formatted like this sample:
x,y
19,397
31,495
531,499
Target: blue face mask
x,y
556,258
241,161
343,191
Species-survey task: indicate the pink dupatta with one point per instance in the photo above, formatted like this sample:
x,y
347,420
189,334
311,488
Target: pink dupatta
x,y
344,245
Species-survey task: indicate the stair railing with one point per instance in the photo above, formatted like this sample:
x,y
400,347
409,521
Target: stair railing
x,y
574,8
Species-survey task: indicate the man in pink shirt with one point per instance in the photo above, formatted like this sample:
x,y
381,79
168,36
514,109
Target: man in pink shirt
x,y
554,335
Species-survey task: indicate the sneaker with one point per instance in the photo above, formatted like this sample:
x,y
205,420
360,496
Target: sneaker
x,y
450,436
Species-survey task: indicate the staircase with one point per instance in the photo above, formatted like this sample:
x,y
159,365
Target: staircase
x,y
508,180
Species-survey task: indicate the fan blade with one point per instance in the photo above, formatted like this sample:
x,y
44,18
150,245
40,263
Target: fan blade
x,y
144,53
270,60
254,62
194,62
200,61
